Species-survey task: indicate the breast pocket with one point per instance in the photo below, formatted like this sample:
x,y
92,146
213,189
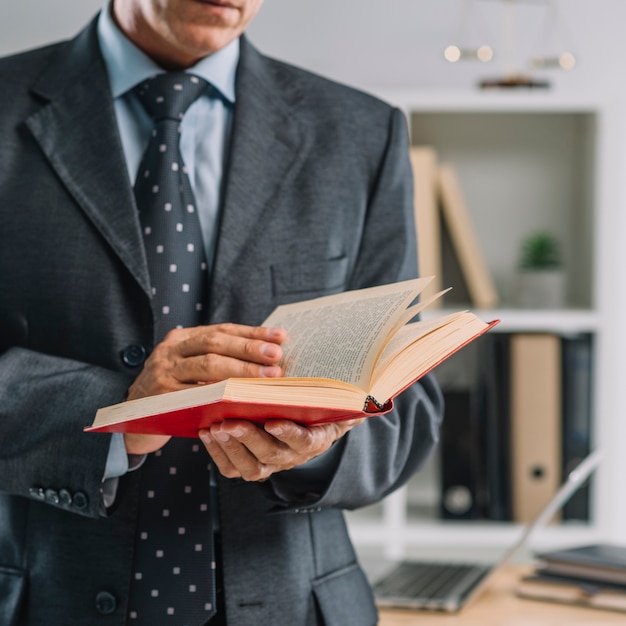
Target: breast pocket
x,y
300,281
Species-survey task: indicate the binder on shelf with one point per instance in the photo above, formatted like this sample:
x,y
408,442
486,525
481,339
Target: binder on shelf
x,y
459,457
427,220
577,383
535,421
457,220
465,489
495,377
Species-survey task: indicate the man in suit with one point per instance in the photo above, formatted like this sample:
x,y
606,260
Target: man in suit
x,y
310,194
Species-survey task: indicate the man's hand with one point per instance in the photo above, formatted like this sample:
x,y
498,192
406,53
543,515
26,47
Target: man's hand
x,y
204,354
242,449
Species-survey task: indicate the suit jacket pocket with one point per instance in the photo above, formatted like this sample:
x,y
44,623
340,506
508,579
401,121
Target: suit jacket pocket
x,y
300,281
344,598
12,585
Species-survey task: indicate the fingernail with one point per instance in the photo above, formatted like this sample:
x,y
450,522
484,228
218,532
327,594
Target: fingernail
x,y
205,437
238,432
221,436
275,333
277,431
270,371
271,351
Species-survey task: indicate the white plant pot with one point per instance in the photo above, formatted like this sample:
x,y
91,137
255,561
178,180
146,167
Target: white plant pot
x,y
541,289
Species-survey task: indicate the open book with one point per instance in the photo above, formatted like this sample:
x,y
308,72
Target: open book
x,y
347,356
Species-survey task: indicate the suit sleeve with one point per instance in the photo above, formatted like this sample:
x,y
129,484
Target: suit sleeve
x,y
43,449
380,455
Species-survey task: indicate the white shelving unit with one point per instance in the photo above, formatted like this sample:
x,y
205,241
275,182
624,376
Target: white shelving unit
x,y
530,161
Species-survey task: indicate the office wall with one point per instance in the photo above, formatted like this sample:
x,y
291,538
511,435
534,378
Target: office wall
x,y
400,43
28,23
397,43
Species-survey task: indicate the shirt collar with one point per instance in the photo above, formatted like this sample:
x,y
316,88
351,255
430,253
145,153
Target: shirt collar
x,y
127,65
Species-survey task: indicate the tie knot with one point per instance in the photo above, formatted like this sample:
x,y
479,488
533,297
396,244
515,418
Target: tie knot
x,y
168,96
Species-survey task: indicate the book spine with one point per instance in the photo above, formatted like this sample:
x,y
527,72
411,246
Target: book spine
x,y
474,452
459,471
495,380
469,253
577,383
427,220
535,422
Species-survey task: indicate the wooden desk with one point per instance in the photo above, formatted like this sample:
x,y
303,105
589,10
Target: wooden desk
x,y
498,606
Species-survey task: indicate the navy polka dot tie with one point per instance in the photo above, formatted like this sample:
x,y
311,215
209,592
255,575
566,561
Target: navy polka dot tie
x,y
174,569
167,208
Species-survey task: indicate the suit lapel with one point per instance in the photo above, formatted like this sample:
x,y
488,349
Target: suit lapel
x,y
77,131
265,146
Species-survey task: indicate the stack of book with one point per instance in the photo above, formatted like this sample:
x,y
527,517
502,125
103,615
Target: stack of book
x,y
591,575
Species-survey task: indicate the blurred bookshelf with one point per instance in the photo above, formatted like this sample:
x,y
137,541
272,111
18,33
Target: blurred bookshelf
x,y
527,161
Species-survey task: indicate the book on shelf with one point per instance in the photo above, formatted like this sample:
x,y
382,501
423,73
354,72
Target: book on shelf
x,y
447,242
347,356
572,591
494,383
535,421
460,447
427,219
459,456
474,453
577,392
465,243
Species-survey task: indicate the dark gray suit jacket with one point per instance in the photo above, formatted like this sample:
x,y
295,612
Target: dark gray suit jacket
x,y
317,199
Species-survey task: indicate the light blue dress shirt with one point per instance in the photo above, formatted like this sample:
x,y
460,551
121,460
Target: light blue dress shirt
x,y
205,129
205,135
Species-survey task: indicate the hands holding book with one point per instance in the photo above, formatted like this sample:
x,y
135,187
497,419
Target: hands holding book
x,y
348,355
245,449
240,448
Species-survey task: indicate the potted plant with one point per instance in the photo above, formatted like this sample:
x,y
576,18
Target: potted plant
x,y
541,278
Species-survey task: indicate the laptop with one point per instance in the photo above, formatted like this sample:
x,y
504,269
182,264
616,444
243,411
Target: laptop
x,y
442,586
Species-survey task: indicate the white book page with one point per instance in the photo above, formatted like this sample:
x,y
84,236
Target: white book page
x,y
407,335
419,346
340,336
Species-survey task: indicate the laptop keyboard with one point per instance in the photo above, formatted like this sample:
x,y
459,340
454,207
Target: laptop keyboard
x,y
438,586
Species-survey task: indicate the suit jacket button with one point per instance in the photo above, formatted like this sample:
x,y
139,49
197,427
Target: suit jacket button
x,y
106,603
80,500
52,496
37,492
134,355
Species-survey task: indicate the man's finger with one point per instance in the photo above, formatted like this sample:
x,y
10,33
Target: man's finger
x,y
231,455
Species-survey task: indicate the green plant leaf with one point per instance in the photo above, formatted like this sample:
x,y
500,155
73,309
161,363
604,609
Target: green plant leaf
x,y
540,250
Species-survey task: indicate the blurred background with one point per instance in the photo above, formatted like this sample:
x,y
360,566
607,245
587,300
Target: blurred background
x,y
398,43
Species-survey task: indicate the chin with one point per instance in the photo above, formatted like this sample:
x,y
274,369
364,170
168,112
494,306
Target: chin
x,y
202,40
